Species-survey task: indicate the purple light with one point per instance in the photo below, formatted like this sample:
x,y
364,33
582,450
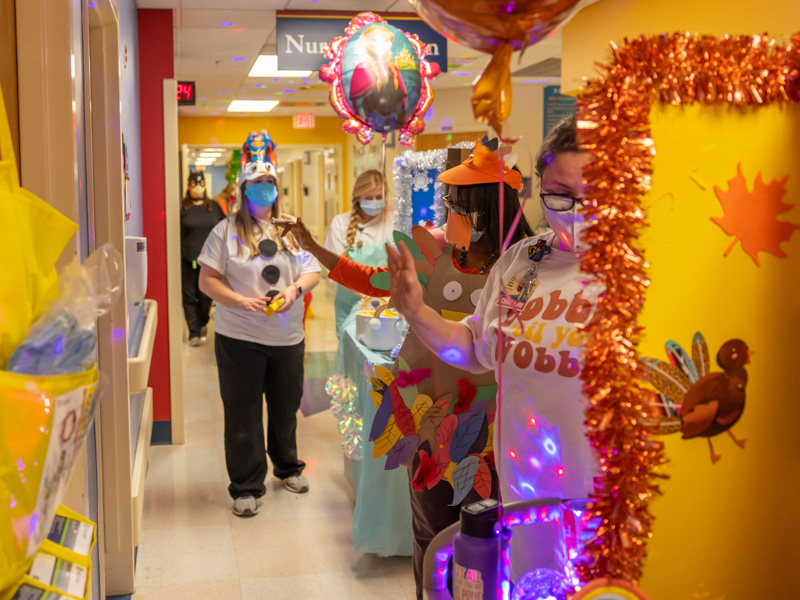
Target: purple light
x,y
288,91
260,85
241,91
202,98
462,74
223,91
276,79
238,59
226,24
91,5
118,334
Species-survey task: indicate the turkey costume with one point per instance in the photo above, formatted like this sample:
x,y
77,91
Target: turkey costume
x,y
432,417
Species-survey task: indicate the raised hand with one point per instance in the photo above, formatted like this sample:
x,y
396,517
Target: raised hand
x,y
405,287
300,232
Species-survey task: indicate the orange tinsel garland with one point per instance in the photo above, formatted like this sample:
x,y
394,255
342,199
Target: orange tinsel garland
x,y
613,125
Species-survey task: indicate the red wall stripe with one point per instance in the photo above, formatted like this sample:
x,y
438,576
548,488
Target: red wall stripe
x,y
155,65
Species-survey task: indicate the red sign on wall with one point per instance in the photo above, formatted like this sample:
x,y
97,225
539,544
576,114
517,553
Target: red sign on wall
x,y
304,121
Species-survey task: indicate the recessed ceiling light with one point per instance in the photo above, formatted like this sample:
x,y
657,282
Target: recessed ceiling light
x,y
212,150
211,155
252,105
267,66
226,24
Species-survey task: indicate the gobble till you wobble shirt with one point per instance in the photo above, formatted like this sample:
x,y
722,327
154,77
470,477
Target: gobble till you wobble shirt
x,y
543,451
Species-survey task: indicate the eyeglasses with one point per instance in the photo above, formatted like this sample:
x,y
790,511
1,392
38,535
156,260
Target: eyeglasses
x,y
453,207
560,202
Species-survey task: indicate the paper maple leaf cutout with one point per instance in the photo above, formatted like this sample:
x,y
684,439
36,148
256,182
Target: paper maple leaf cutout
x,y
752,217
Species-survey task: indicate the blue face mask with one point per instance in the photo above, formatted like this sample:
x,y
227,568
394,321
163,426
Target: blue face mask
x,y
476,235
261,194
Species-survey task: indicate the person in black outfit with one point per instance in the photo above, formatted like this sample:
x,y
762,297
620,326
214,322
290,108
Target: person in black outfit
x,y
199,215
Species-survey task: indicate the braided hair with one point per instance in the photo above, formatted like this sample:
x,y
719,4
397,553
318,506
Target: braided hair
x,y
366,181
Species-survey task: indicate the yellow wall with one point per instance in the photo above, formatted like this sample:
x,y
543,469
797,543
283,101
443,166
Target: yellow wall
x,y
727,531
199,131
586,37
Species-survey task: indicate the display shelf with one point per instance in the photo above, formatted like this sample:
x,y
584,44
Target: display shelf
x,y
139,365
140,465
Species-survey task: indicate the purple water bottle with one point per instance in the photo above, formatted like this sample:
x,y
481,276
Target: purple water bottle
x,y
476,552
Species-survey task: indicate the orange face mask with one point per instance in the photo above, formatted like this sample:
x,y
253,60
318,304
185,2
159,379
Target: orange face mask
x,y
459,230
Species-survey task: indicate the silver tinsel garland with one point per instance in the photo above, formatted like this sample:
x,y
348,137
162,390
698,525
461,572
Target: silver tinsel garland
x,y
403,175
343,392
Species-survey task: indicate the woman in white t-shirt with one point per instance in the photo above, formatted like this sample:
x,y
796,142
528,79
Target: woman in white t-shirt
x,y
246,265
360,235
542,451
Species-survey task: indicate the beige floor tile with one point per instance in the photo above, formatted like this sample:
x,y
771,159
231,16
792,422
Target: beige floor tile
x,y
208,590
147,593
192,554
321,535
181,464
149,569
301,587
201,434
270,549
366,586
186,505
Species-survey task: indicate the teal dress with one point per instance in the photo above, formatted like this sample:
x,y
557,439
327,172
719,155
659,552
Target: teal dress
x,y
370,255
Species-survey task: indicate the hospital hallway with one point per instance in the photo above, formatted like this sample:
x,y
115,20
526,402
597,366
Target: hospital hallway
x,y
297,546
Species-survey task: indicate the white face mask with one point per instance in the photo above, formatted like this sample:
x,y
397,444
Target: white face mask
x,y
197,192
569,227
372,207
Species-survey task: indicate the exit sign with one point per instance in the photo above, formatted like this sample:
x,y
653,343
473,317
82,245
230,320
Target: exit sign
x,y
304,121
186,93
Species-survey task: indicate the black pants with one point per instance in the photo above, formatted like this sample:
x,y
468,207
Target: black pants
x,y
431,513
196,305
248,372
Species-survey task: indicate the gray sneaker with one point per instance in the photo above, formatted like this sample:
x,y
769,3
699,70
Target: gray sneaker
x,y
195,341
245,506
296,483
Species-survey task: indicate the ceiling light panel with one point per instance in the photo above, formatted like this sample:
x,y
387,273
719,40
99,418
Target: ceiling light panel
x,y
252,105
266,65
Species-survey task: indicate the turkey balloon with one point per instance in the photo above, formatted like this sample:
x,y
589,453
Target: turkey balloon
x,y
380,80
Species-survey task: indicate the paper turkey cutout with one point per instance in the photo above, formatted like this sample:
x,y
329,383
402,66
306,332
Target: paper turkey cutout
x,y
694,400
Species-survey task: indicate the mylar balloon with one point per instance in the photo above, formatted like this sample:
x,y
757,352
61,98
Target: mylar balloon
x,y
497,27
380,80
259,147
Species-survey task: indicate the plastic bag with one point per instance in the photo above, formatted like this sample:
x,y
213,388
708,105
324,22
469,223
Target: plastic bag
x,y
48,399
64,339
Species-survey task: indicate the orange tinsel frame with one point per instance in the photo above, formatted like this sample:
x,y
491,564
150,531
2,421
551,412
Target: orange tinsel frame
x,y
613,125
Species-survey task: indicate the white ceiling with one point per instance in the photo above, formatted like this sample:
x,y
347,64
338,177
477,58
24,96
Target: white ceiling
x,y
219,58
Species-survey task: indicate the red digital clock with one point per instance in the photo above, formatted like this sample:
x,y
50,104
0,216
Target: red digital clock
x,y
186,93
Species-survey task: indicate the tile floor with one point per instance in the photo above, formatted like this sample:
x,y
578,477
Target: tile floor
x,y
298,547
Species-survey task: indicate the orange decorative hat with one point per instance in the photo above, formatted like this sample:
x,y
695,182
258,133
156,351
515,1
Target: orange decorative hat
x,y
484,165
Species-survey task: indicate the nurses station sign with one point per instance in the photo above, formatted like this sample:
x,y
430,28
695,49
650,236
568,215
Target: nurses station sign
x,y
302,38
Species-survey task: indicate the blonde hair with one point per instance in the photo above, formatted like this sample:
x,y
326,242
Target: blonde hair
x,y
248,229
366,181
